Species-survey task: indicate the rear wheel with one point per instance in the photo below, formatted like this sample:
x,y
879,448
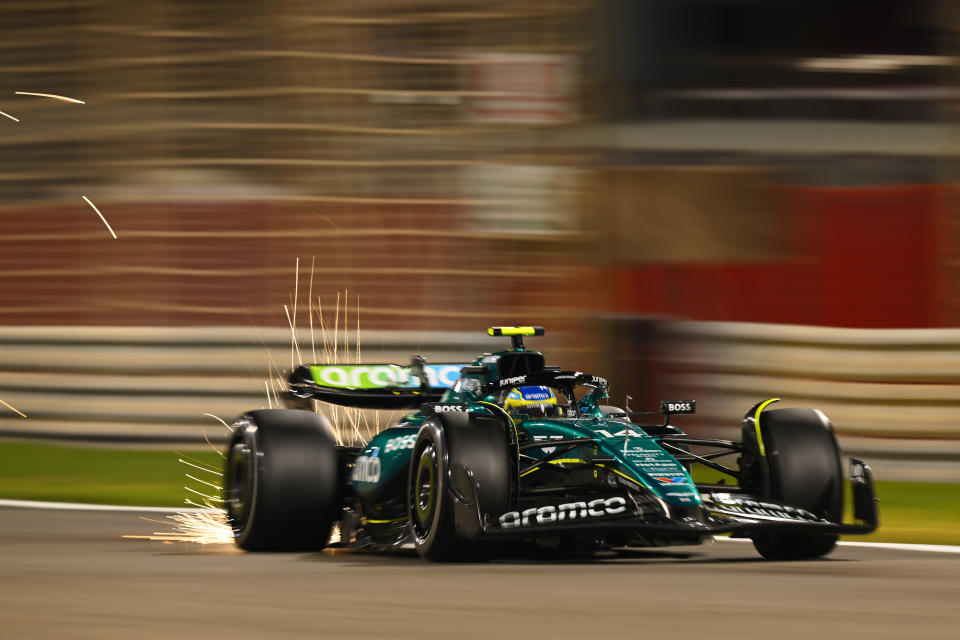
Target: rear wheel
x,y
476,442
281,481
797,462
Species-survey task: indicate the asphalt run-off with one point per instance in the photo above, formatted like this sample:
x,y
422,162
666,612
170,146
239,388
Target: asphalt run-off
x,y
68,572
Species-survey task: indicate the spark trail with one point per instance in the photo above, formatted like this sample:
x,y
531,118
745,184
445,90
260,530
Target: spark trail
x,y
94,207
20,413
49,95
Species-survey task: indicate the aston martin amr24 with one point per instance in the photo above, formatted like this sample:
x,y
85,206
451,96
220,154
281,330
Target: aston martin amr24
x,y
507,452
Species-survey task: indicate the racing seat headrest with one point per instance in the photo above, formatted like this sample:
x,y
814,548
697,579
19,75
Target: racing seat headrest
x,y
520,363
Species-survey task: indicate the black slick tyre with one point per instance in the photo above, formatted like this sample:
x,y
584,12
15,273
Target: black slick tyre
x,y
282,481
476,442
800,466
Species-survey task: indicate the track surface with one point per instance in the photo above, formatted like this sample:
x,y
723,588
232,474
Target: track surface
x,y
69,574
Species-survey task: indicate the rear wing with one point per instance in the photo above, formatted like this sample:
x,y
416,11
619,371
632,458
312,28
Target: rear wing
x,y
375,386
667,408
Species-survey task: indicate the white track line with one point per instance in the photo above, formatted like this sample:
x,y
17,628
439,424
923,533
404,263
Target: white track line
x,y
901,546
930,548
80,506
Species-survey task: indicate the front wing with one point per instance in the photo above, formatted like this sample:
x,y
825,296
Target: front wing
x,y
734,513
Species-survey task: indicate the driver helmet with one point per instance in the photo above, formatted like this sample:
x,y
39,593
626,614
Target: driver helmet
x,y
532,402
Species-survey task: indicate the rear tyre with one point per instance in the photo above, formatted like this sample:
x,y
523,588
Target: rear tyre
x,y
282,481
476,442
801,467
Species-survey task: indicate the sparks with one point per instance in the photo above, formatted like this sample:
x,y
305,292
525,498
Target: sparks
x,y
203,495
7,115
209,526
20,413
294,344
293,321
313,340
109,228
209,484
327,220
196,466
49,95
220,420
212,446
195,462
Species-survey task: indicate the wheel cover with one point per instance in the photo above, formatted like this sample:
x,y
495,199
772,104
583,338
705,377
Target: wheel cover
x,y
424,491
240,483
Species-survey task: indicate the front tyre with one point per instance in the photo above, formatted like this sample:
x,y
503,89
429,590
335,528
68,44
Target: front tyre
x,y
282,481
478,443
799,465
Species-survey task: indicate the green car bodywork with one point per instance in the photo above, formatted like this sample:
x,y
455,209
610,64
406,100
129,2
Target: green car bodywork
x,y
635,456
506,449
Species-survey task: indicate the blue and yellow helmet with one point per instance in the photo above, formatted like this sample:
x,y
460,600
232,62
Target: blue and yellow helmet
x,y
532,402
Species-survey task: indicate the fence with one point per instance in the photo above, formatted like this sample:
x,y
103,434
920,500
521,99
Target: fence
x,y
892,395
394,146
157,385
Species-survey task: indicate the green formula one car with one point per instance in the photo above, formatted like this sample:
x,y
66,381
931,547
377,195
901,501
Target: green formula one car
x,y
508,451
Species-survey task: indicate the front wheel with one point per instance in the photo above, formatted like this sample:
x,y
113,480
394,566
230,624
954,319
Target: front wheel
x,y
475,442
795,460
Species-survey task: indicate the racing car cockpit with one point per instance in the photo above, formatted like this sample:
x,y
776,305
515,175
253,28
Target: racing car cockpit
x,y
531,402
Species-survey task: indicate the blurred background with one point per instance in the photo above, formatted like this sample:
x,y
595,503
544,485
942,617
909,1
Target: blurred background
x,y
719,199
